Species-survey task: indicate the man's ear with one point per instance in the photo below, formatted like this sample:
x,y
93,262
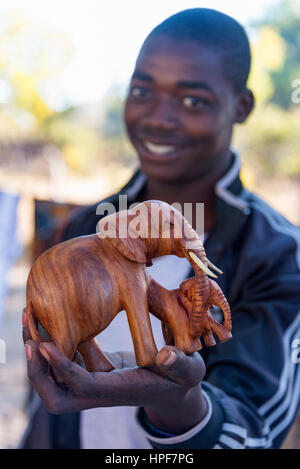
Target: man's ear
x,y
245,104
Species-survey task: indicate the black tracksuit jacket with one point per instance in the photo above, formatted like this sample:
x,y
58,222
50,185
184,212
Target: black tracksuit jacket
x,y
253,380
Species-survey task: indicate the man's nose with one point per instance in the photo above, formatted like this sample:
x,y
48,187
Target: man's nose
x,y
161,116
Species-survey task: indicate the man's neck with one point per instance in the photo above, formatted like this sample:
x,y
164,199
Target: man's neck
x,y
188,192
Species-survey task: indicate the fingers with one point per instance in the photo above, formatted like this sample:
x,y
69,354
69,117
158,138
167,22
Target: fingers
x,y
99,389
26,333
187,370
40,378
56,398
79,360
172,375
65,371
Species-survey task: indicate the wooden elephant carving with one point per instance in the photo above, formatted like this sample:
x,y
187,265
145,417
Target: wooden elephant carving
x,y
75,289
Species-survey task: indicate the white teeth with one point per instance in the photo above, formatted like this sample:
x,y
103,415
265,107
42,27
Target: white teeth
x,y
159,149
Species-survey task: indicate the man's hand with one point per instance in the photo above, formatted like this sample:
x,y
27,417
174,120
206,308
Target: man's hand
x,y
169,390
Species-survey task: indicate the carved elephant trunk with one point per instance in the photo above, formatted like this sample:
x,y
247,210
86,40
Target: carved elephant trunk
x,y
195,252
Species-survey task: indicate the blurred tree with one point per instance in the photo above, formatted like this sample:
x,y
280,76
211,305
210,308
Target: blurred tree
x,y
112,129
270,139
29,58
112,125
80,144
284,18
268,56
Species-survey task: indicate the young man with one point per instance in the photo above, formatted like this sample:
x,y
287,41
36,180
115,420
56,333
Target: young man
x,y
187,91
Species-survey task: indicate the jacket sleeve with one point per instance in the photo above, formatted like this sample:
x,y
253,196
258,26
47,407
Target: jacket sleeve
x,y
253,380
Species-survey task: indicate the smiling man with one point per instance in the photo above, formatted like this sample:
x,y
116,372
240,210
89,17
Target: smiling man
x,y
188,89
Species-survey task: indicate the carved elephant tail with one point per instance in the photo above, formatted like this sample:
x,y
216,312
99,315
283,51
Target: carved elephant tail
x,y
32,325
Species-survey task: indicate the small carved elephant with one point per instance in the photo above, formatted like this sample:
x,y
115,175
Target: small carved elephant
x,y
209,324
75,289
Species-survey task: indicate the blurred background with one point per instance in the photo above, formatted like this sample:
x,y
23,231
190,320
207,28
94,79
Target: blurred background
x,y
64,69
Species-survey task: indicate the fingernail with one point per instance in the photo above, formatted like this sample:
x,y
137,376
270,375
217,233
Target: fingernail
x,y
44,353
169,359
28,352
24,319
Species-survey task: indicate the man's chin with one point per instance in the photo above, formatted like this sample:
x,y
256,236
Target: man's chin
x,y
166,176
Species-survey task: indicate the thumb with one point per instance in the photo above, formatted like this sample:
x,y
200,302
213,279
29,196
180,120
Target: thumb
x,y
65,371
187,370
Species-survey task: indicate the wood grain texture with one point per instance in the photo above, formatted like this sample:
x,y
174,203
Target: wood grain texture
x,y
76,288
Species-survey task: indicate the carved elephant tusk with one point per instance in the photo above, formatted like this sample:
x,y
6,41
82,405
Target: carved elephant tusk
x,y
214,267
202,265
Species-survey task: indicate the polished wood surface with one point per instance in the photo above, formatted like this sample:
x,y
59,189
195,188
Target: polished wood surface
x,y
76,288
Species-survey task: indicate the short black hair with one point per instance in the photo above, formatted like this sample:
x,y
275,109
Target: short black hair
x,y
217,31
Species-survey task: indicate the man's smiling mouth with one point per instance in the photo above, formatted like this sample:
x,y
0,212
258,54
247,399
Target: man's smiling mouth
x,y
159,149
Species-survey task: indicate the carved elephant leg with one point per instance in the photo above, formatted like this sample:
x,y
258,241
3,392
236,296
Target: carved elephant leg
x,y
94,358
168,334
140,327
210,326
208,338
220,331
166,306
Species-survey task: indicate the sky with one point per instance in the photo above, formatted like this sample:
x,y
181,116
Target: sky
x,y
105,37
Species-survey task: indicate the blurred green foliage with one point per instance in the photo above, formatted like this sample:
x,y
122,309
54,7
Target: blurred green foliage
x,y
270,140
31,59
284,20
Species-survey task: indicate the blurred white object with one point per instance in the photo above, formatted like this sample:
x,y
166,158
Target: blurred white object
x,y
9,245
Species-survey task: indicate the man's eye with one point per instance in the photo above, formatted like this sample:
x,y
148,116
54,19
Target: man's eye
x,y
139,92
195,102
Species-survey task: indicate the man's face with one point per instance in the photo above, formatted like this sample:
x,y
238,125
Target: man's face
x,y
179,110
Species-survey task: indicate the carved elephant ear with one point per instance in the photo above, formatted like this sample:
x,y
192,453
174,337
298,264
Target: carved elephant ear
x,y
115,229
132,249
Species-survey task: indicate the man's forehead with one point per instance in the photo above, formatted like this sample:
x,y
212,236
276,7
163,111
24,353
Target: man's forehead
x,y
186,61
184,53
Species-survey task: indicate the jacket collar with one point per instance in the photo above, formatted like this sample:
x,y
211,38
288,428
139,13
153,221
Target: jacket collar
x,y
232,206
229,188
